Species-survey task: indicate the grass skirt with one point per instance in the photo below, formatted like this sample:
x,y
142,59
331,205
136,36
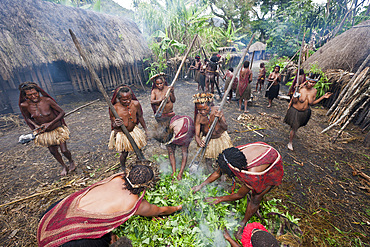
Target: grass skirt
x,y
216,146
296,118
247,93
119,140
54,137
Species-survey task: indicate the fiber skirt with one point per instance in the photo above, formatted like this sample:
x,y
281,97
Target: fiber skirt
x,y
216,146
296,118
52,138
119,141
273,92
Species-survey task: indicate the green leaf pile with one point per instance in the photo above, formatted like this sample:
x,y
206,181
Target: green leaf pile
x,y
197,224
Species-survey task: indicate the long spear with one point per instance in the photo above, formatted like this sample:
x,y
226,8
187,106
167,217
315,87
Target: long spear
x,y
138,152
159,112
209,134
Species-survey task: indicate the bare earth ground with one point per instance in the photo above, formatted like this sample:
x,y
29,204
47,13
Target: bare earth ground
x,y
318,185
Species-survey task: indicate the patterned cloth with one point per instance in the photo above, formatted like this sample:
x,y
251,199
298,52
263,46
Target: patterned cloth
x,y
243,83
216,146
185,134
54,137
296,118
119,141
258,181
66,222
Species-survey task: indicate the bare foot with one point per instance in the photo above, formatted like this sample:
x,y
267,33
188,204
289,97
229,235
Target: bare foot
x,y
179,177
269,106
64,171
290,146
72,166
240,109
246,111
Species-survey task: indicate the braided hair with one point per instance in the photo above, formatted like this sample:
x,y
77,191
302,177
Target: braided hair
x,y
138,178
233,156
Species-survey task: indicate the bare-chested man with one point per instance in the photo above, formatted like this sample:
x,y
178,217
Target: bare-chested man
x,y
205,113
131,114
45,117
196,67
87,217
159,90
299,111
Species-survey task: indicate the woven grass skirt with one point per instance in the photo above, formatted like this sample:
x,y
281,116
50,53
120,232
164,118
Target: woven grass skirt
x,y
296,118
119,141
216,146
54,137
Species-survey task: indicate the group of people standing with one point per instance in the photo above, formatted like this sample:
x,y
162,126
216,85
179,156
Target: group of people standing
x,y
92,213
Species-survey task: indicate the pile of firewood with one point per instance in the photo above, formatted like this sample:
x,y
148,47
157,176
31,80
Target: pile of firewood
x,y
353,98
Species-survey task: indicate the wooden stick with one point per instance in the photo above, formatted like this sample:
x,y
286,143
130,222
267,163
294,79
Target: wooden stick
x,y
138,152
350,119
252,60
344,91
80,107
37,194
209,134
249,128
159,112
357,172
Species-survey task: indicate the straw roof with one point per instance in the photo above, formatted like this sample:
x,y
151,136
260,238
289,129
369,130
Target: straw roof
x,y
35,32
258,46
346,51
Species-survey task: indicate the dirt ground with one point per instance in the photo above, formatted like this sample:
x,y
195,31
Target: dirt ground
x,y
319,186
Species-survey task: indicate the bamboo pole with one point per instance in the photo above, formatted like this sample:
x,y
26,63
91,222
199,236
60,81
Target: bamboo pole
x,y
139,76
209,134
344,91
138,152
80,107
158,114
351,117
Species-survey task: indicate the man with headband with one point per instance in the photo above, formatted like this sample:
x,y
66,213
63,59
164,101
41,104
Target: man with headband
x,y
87,217
259,168
45,117
131,114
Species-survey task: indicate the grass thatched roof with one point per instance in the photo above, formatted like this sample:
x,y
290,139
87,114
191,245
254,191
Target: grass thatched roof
x,y
346,51
34,32
258,46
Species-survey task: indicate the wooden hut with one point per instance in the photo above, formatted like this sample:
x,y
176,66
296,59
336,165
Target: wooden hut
x,y
259,50
35,45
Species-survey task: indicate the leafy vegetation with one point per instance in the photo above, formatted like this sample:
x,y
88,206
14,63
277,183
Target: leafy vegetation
x,y
199,223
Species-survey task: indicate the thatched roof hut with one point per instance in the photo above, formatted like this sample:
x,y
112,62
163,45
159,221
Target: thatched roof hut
x,y
35,45
346,51
259,50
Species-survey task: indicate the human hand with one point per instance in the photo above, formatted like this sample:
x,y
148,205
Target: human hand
x,y
172,89
213,200
196,188
218,114
227,234
327,95
45,127
118,122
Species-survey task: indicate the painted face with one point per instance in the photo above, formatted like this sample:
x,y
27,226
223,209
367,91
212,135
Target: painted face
x,y
32,95
203,109
159,84
125,99
311,84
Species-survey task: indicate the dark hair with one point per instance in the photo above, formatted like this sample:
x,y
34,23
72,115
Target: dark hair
x,y
122,242
246,64
103,241
197,57
233,156
27,86
277,66
139,175
262,65
263,238
123,90
231,69
301,72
